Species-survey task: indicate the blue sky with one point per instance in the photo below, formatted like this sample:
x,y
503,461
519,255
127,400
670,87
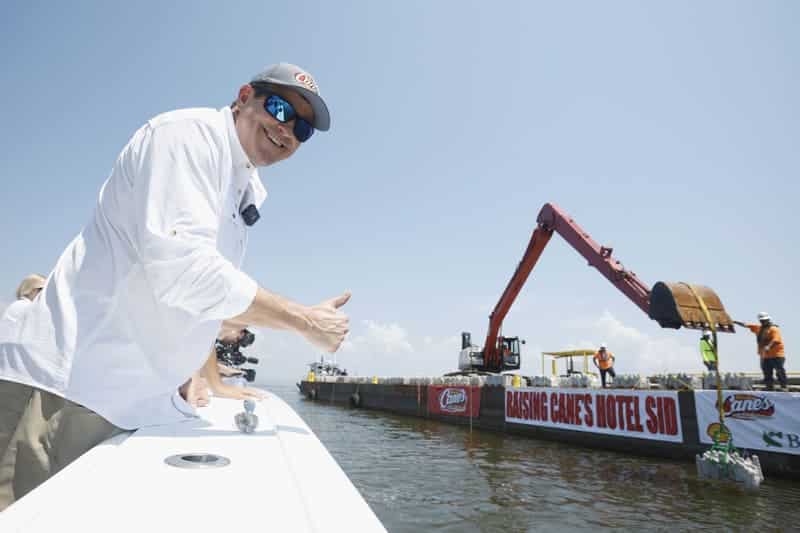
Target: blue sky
x,y
667,131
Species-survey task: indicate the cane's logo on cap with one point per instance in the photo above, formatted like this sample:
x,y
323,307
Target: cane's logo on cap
x,y
306,80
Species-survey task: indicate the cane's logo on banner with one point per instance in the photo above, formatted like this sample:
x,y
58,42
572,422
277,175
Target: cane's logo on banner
x,y
748,406
306,80
453,400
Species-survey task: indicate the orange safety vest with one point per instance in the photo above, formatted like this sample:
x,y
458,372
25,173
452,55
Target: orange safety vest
x,y
605,360
772,335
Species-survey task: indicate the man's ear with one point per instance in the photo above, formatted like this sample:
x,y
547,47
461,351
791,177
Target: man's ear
x,y
245,93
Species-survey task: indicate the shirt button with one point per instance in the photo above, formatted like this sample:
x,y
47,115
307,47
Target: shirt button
x,y
233,215
248,165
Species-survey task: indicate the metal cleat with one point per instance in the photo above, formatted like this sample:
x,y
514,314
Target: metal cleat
x,y
247,422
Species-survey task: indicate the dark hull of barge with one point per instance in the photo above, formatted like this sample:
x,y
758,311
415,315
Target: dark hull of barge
x,y
412,400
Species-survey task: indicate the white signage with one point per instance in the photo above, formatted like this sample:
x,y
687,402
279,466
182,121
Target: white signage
x,y
626,413
767,421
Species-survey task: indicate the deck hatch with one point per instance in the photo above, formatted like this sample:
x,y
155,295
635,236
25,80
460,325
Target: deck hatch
x,y
197,460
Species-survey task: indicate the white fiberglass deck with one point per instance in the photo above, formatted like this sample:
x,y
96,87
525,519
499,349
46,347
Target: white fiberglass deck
x,y
280,478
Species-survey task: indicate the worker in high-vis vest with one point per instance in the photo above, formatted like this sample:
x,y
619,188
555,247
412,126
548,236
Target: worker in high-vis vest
x,y
604,361
708,351
770,349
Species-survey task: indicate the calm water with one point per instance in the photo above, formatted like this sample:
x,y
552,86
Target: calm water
x,y
420,475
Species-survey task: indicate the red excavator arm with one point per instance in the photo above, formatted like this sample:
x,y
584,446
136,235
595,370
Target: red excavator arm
x,y
673,305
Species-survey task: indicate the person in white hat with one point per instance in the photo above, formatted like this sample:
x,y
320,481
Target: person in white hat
x,y
771,354
28,289
13,398
30,286
135,302
604,361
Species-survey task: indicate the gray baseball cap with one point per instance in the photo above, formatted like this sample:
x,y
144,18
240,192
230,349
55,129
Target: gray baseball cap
x,y
294,77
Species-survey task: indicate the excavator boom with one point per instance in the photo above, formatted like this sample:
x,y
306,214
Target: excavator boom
x,y
672,305
539,239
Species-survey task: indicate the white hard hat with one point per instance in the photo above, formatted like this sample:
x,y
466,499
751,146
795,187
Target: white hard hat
x,y
763,315
706,333
602,345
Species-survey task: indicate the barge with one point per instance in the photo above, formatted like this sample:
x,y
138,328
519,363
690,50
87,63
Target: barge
x,y
678,418
675,424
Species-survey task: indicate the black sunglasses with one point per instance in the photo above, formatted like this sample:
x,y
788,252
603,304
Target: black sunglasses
x,y
283,111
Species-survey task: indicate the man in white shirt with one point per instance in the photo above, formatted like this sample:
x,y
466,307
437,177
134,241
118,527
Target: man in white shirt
x,y
135,302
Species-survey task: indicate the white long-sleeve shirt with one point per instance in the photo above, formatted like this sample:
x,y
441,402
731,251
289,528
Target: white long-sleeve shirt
x,y
16,310
135,302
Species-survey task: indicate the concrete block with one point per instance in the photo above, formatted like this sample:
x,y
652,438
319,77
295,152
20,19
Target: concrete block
x,y
630,381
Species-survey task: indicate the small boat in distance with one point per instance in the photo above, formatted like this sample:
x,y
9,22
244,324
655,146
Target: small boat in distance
x,y
323,368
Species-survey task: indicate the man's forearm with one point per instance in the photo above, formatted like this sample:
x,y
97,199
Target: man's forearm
x,y
324,325
210,371
270,310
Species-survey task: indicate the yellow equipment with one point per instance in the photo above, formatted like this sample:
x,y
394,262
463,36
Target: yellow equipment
x,y
568,355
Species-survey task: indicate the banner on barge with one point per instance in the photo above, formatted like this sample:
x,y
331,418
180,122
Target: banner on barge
x,y
757,420
651,415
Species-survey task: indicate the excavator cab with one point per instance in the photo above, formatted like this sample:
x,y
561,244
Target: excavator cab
x,y
676,305
472,358
509,350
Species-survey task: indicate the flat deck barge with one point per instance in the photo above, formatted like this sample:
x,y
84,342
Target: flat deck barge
x,y
674,424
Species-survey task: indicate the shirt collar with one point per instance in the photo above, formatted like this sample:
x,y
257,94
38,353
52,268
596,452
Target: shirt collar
x,y
238,156
256,192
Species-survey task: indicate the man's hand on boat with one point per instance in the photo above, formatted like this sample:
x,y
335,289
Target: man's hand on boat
x,y
213,375
237,393
228,372
196,391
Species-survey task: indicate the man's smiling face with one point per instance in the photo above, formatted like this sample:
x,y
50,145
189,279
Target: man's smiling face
x,y
264,139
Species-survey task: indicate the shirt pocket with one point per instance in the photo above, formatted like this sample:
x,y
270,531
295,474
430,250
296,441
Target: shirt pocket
x,y
233,238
